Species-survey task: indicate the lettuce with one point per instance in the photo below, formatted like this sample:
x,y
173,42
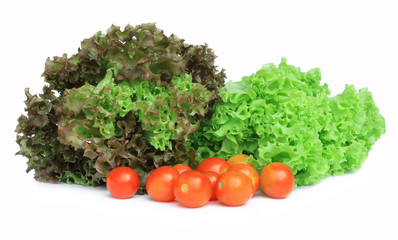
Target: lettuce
x,y
127,98
281,114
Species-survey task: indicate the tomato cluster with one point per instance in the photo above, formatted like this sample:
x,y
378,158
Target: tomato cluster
x,y
232,182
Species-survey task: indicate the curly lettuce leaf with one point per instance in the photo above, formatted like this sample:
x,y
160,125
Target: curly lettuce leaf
x,y
37,138
165,115
171,114
281,114
140,52
116,123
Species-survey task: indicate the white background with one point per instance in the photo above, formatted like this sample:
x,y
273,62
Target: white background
x,y
353,42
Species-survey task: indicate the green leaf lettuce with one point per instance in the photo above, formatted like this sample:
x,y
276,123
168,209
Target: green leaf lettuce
x,y
281,114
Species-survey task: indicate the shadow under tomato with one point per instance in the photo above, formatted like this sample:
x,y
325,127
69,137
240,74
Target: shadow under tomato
x,y
263,195
173,202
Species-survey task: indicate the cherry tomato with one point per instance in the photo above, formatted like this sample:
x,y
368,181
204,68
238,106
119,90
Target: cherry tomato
x,y
181,168
193,189
213,177
213,164
122,182
160,184
277,180
239,159
234,188
250,172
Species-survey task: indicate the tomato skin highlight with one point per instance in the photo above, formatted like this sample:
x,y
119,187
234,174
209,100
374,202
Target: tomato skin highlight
x,y
160,184
250,172
239,159
193,189
181,168
234,188
277,180
213,164
213,177
122,182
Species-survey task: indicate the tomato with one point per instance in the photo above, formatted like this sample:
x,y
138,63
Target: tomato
x,y
250,172
234,188
193,189
160,184
277,180
213,164
122,182
181,168
239,159
213,177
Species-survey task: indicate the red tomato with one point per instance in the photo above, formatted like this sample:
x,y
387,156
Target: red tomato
x,y
248,171
234,188
277,180
239,159
181,168
213,177
213,164
160,184
193,189
122,182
